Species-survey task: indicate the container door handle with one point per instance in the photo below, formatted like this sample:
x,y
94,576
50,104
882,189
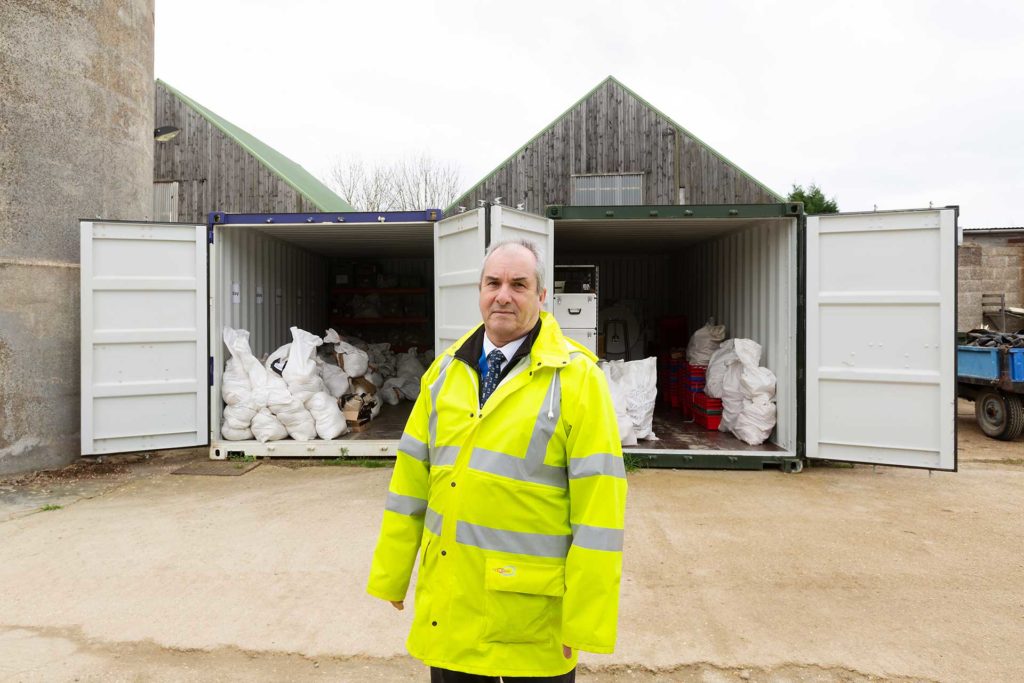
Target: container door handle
x,y
575,311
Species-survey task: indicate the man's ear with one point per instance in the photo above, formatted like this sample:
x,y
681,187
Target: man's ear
x,y
543,294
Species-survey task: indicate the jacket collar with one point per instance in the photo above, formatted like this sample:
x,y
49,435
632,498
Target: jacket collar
x,y
549,346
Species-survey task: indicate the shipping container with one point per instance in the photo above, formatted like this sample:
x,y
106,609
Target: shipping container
x,y
855,314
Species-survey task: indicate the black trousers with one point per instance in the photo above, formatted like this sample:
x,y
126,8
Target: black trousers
x,y
447,676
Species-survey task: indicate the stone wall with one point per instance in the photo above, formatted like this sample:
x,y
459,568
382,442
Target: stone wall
x,y
76,141
989,264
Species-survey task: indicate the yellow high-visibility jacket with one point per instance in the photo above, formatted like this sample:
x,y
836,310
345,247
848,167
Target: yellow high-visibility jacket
x,y
518,506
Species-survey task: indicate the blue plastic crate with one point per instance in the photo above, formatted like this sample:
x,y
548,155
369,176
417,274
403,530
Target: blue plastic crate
x,y
977,361
1017,365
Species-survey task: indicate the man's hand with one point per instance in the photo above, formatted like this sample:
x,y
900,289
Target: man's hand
x,y
567,652
398,604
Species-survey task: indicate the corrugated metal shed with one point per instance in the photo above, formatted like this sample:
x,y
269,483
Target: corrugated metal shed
x,y
301,180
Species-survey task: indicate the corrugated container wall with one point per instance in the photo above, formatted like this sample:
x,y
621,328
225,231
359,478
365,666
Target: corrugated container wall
x,y
748,281
292,281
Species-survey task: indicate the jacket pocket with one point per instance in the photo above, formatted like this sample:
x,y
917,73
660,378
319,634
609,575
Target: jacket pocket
x,y
523,601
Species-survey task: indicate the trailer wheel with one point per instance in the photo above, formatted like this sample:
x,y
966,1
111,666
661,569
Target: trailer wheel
x,y
1000,417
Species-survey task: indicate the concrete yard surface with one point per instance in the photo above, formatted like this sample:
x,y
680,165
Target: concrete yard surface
x,y
833,574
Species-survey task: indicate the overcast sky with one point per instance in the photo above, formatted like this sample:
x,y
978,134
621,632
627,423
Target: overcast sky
x,y
891,103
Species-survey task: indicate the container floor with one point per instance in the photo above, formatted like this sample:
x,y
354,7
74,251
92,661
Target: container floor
x,y
675,434
672,432
388,425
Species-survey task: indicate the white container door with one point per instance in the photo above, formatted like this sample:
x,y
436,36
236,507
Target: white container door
x,y
144,337
881,338
459,244
510,224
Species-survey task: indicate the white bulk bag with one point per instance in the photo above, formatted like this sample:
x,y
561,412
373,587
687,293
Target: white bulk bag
x,y
235,386
335,379
265,427
277,361
748,355
289,410
354,361
409,365
382,359
235,434
757,420
703,344
720,360
642,393
330,423
397,388
613,373
300,372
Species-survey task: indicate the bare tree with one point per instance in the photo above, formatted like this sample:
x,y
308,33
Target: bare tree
x,y
413,183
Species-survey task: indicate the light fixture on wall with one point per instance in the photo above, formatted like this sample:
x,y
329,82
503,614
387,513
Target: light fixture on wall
x,y
165,133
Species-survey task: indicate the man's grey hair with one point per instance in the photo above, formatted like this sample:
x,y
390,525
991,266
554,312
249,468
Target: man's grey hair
x,y
530,246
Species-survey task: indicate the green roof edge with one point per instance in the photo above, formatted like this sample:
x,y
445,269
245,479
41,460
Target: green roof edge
x,y
319,194
642,100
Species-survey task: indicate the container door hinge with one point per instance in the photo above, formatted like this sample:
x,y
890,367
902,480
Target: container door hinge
x,y
210,373
209,234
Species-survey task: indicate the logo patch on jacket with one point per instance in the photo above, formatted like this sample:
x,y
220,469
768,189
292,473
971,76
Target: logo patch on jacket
x,y
507,570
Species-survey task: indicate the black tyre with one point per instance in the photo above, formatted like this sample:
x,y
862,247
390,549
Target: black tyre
x,y
999,416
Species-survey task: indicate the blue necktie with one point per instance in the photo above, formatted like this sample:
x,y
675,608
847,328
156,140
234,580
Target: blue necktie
x,y
494,360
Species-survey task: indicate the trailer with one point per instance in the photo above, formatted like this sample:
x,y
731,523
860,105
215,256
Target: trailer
x,y
855,313
993,378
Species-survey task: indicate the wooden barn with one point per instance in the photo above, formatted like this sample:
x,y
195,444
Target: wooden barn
x,y
614,148
213,165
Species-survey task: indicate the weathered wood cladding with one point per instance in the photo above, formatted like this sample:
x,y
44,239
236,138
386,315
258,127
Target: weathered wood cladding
x,y
613,131
214,172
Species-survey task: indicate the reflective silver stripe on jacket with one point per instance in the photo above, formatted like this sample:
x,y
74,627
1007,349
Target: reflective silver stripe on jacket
x,y
413,447
597,464
530,468
405,505
597,537
521,469
443,455
438,456
519,542
435,391
433,522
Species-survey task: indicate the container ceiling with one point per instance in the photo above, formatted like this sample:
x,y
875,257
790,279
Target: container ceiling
x,y
643,235
355,240
381,240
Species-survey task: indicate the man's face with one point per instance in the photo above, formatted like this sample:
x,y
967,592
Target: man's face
x,y
509,301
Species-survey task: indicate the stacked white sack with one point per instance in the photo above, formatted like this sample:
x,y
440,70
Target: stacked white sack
x,y
383,360
720,360
406,384
335,378
637,384
236,389
748,393
289,410
305,385
627,436
265,427
758,418
355,361
704,343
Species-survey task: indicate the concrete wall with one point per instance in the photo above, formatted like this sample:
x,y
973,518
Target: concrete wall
x,y
76,141
989,264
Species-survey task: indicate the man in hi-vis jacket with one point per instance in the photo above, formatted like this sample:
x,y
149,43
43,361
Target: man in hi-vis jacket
x,y
509,484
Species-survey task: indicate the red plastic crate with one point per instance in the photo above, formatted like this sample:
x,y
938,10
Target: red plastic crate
x,y
709,422
707,403
686,405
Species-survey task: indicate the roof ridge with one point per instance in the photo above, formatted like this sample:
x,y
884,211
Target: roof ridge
x,y
610,79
